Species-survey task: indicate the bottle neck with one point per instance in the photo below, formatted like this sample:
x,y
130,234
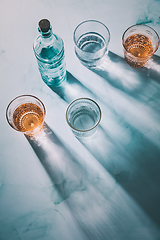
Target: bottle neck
x,y
46,34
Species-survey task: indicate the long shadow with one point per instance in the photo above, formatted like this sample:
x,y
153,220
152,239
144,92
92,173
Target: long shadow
x,y
114,156
70,178
139,86
59,163
102,146
95,206
71,89
152,68
143,183
135,166
132,81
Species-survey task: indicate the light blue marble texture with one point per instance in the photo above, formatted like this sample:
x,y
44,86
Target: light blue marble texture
x,y
56,186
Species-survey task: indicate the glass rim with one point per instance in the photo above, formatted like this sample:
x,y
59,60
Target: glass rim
x,y
24,95
137,25
87,130
96,21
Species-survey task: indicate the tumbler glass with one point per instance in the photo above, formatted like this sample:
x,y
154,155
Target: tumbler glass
x,y
26,114
83,116
140,42
91,40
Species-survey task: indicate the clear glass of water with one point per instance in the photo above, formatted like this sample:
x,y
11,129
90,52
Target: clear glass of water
x,y
83,116
91,40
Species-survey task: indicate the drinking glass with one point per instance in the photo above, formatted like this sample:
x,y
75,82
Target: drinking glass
x,y
83,116
91,40
139,42
26,114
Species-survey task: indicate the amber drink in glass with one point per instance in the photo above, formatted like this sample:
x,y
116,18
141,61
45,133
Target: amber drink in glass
x,y
140,42
26,114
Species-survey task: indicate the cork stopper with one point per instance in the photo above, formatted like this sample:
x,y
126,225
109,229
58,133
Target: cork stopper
x,y
44,25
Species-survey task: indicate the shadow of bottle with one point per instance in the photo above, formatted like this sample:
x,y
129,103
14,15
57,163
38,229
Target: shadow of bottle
x,y
71,89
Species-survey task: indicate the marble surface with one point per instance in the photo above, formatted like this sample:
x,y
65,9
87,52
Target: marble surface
x,y
56,186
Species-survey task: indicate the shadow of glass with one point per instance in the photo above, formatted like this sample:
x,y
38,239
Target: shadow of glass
x,y
109,151
122,76
144,179
134,166
101,146
93,204
69,178
63,168
152,68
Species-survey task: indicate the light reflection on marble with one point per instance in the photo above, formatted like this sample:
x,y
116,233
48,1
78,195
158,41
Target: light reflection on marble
x,y
61,187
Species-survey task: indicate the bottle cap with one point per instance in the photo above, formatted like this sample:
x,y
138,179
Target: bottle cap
x,y
44,25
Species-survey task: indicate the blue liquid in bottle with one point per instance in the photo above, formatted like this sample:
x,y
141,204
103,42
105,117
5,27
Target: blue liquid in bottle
x,y
49,51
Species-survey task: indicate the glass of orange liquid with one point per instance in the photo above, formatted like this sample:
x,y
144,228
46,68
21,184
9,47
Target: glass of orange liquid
x,y
26,114
140,42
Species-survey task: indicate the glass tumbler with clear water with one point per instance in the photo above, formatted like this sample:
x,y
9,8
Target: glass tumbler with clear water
x,y
91,40
83,115
49,51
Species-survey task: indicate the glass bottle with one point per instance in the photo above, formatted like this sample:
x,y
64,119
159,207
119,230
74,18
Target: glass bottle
x,y
49,51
